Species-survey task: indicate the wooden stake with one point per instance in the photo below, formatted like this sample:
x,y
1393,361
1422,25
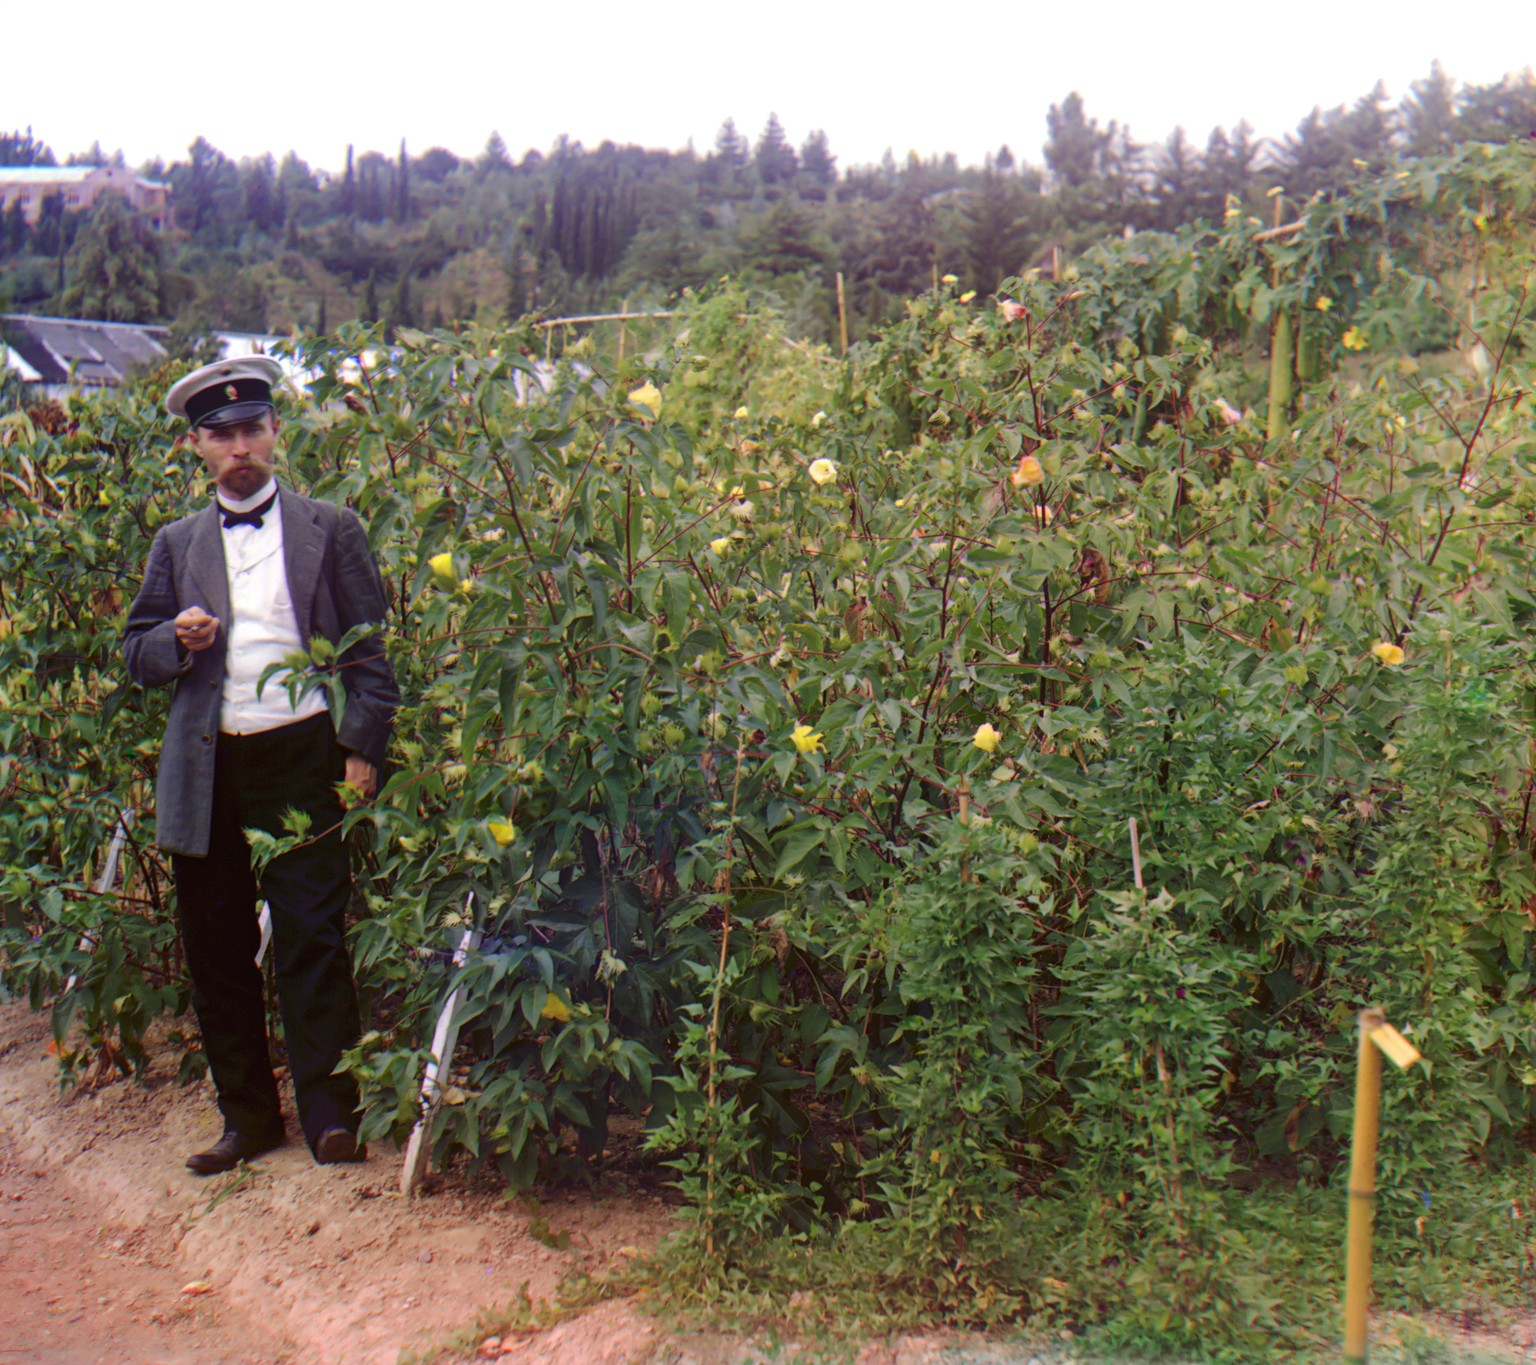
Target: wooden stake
x,y
1282,230
599,317
1165,1079
1282,353
712,1038
1164,1076
842,313
965,820
623,313
1362,1190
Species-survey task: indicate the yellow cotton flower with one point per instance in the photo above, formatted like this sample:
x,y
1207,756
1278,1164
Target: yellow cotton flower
x,y
442,568
950,279
1028,474
647,396
1480,222
1324,304
968,296
822,472
741,414
720,545
556,1009
804,740
1354,339
1388,653
986,738
502,831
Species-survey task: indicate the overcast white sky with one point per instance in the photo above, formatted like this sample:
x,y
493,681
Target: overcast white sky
x,y
963,76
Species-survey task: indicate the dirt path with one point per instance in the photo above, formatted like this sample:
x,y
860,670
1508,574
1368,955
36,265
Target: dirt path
x,y
102,1230
112,1254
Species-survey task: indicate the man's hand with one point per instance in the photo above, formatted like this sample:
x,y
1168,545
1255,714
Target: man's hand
x,y
361,776
196,630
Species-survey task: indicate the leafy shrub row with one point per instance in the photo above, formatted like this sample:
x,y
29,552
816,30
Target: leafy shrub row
x,y
705,651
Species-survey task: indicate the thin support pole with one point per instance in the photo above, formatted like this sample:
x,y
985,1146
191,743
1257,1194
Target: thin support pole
x,y
842,313
965,821
264,923
444,1039
1362,1190
104,883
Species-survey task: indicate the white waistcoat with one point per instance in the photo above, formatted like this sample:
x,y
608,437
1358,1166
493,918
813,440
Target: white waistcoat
x,y
262,629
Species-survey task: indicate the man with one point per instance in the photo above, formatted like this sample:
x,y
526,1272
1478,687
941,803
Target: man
x,y
228,591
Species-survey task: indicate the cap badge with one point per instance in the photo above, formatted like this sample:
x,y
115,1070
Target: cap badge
x,y
232,392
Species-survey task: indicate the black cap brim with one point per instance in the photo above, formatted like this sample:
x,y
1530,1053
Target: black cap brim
x,y
234,413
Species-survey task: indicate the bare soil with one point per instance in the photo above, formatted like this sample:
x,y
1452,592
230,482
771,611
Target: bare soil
x,y
111,1253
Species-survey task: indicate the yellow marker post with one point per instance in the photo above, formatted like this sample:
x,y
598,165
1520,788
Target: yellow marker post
x,y
1376,1037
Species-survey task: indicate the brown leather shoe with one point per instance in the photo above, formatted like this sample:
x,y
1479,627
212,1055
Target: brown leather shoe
x,y
337,1145
230,1150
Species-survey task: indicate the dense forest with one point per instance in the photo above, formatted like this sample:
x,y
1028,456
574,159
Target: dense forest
x,y
431,239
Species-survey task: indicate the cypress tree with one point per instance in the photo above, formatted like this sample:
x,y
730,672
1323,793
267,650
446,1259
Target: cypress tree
x,y
775,160
401,313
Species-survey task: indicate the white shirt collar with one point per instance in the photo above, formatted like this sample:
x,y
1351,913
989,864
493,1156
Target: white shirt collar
x,y
245,504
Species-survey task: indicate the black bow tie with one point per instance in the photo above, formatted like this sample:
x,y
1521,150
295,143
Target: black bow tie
x,y
251,518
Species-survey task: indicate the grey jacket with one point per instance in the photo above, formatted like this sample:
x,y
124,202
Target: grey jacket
x,y
334,584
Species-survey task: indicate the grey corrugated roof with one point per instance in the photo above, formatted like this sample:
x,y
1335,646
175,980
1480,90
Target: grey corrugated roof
x,y
101,353
98,353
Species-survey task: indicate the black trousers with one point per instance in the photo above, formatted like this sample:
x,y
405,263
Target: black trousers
x,y
257,778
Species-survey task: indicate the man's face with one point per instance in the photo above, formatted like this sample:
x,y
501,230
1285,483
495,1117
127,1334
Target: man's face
x,y
240,456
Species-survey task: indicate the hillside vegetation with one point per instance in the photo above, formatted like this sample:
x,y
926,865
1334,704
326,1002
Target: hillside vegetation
x,y
429,239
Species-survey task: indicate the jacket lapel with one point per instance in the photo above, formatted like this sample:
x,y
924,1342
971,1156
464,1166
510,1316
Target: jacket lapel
x,y
303,554
205,564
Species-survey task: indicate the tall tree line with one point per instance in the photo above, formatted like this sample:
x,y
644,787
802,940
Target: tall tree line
x,y
432,238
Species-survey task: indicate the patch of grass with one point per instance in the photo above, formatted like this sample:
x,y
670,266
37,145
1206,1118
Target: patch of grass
x,y
243,1177
1255,1276
525,1315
